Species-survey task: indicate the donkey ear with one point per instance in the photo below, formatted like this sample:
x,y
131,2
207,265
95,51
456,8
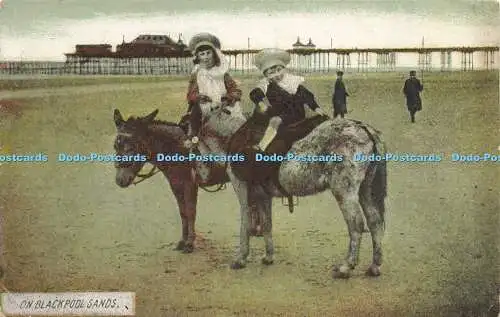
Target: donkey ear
x,y
117,116
151,116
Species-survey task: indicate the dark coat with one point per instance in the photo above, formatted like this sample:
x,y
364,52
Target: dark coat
x,y
290,108
412,90
339,98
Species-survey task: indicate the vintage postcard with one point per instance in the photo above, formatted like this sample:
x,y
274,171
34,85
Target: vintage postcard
x,y
249,158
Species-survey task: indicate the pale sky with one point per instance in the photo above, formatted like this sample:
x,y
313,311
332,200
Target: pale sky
x,y
46,29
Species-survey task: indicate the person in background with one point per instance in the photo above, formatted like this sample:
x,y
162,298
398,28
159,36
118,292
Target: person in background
x,y
412,89
339,98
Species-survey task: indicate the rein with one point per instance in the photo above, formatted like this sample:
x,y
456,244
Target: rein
x,y
155,170
143,177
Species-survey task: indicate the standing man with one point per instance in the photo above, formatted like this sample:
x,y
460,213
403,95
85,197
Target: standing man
x,y
412,90
339,98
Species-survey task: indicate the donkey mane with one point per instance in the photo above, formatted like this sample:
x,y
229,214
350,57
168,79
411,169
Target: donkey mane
x,y
164,122
169,134
139,120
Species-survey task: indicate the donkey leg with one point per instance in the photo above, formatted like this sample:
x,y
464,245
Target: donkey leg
x,y
254,220
376,224
348,201
255,217
182,242
267,225
178,191
190,202
240,188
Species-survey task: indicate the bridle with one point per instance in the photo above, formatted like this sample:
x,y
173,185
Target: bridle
x,y
155,170
143,177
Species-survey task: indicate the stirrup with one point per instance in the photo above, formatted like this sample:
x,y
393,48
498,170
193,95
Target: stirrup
x,y
257,148
294,201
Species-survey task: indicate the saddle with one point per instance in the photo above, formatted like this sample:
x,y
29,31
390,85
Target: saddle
x,y
251,132
217,174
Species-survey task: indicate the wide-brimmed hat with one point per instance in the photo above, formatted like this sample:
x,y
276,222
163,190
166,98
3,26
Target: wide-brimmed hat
x,y
203,39
270,57
340,73
413,73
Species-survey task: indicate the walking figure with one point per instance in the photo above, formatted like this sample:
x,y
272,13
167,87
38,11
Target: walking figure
x,y
412,90
339,98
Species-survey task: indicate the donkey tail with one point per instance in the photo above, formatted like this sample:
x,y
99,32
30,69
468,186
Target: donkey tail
x,y
379,187
379,182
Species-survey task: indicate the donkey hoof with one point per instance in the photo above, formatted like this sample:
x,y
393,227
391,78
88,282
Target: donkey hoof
x,y
237,265
343,272
180,246
373,270
188,248
267,261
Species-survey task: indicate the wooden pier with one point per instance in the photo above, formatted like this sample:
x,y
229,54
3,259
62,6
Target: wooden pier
x,y
161,60
377,59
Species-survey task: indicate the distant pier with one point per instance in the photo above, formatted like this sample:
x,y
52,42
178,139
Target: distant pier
x,y
379,59
159,55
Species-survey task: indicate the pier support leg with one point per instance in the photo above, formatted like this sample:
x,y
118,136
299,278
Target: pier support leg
x,y
443,61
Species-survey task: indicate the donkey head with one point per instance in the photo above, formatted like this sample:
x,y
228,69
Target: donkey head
x,y
131,140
